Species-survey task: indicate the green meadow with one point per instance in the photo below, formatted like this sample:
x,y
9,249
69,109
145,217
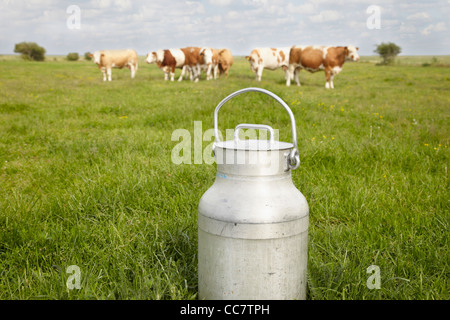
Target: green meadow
x,y
87,179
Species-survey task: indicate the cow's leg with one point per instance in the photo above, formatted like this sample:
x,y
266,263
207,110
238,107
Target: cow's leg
x,y
296,76
172,74
189,73
182,74
334,72
328,79
193,75
166,72
216,71
208,72
109,72
193,72
288,74
104,73
183,71
186,72
197,73
259,73
133,71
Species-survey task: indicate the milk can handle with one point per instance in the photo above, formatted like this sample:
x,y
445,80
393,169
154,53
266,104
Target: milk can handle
x,y
255,126
294,157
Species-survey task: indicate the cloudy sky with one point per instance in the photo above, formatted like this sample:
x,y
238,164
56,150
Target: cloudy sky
x,y
62,26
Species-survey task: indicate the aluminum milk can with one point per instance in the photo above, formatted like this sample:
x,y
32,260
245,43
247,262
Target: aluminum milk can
x,y
253,222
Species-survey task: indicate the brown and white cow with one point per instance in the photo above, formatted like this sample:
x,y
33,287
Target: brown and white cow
x,y
211,62
225,61
194,61
317,58
108,59
168,60
268,58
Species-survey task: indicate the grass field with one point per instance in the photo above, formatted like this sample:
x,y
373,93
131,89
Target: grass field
x,y
86,177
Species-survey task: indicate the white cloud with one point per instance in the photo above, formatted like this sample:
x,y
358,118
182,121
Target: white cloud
x,y
123,4
214,19
221,3
233,15
306,8
389,22
438,27
407,28
101,4
240,25
325,16
419,16
255,2
195,7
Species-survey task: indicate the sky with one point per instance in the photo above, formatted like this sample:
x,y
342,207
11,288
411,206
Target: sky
x,y
419,27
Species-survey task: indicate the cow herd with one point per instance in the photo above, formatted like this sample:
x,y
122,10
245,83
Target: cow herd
x,y
191,61
214,62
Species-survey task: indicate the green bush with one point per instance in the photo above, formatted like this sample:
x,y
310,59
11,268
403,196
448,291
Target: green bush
x,y
30,51
73,56
388,51
87,56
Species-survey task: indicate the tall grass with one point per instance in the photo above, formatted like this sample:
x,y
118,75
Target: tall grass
x,y
86,178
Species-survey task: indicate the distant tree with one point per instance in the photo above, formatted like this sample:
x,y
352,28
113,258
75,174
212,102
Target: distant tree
x,y
73,56
388,51
30,51
87,56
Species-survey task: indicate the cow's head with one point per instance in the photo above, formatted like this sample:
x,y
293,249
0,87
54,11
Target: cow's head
x,y
206,54
97,57
351,53
255,60
151,57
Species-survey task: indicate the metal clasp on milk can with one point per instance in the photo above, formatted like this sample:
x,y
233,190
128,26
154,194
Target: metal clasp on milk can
x,y
253,221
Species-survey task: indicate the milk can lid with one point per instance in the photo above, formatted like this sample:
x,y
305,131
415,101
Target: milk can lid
x,y
294,158
254,145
